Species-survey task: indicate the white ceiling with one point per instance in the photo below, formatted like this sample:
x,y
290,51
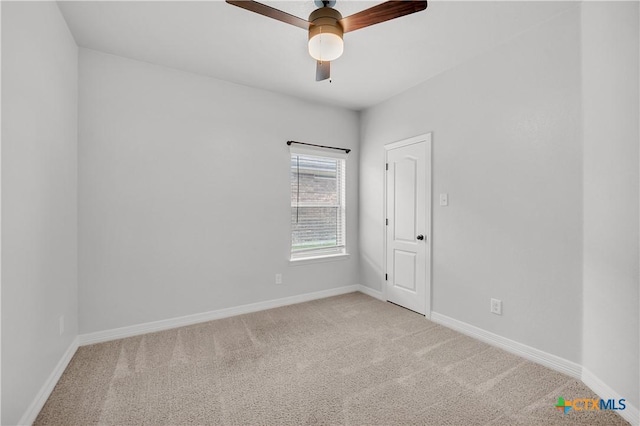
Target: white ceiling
x,y
216,39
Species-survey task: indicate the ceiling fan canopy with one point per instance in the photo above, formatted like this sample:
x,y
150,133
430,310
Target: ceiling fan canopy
x,y
326,26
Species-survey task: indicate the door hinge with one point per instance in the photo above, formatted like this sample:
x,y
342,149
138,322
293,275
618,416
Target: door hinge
x,y
386,222
386,277
386,166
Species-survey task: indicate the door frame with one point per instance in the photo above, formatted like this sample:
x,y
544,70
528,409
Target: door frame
x,y
426,137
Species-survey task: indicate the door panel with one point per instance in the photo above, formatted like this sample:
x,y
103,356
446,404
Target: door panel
x,y
408,205
404,200
404,264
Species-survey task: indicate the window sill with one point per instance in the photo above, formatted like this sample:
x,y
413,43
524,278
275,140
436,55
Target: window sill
x,y
319,259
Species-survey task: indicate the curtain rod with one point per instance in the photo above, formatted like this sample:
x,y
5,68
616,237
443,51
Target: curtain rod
x,y
347,150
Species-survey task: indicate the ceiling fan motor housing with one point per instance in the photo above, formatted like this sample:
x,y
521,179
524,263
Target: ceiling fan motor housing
x,y
325,34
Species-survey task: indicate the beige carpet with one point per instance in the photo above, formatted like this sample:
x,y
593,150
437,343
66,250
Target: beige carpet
x,y
343,360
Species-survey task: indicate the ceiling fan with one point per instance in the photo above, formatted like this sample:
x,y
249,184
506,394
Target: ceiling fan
x,y
326,25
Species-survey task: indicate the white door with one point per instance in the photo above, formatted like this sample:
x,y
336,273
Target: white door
x,y
408,224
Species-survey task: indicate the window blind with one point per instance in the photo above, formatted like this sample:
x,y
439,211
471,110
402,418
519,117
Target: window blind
x,y
317,205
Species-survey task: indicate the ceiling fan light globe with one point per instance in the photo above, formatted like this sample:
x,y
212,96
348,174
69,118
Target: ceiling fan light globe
x,y
326,46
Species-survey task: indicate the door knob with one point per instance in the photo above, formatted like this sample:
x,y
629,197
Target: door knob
x,y
420,237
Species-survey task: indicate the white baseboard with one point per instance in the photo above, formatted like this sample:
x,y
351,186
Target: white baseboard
x,y
150,327
532,354
604,391
41,398
371,292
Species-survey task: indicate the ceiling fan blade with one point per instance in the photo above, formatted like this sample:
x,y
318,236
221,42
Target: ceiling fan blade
x,y
381,13
323,70
271,12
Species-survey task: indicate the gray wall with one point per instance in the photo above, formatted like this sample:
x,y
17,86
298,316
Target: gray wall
x,y
507,150
610,122
185,196
39,198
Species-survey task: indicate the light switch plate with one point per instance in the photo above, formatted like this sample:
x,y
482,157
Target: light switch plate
x,y
444,199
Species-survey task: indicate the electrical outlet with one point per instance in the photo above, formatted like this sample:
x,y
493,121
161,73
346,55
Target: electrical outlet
x,y
61,324
278,278
496,306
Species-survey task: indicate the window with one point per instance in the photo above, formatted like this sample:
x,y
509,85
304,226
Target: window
x,y
317,203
